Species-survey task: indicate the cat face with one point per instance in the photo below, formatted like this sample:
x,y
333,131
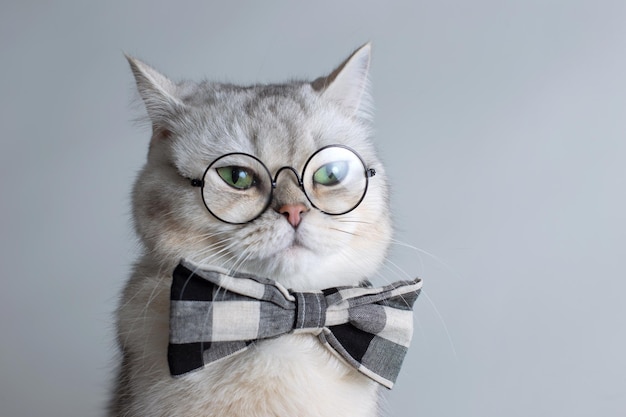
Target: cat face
x,y
282,126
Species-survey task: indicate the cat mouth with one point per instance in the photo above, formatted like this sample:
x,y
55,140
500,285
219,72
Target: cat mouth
x,y
294,257
296,246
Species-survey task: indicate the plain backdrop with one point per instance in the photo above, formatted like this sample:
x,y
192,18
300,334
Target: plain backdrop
x,y
503,128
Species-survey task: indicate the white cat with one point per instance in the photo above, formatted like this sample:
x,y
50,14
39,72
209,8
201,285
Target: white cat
x,y
291,241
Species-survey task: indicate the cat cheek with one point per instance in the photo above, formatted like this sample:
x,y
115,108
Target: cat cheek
x,y
155,208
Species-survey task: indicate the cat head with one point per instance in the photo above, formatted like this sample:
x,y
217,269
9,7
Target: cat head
x,y
282,125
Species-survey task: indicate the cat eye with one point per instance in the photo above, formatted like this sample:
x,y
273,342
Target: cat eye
x,y
331,174
237,177
237,187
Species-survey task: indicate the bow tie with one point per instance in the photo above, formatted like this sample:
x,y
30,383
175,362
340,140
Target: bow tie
x,y
214,315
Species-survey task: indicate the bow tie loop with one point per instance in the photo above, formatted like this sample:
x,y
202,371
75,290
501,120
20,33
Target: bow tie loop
x,y
310,312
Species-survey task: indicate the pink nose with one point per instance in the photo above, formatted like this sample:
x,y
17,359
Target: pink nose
x,y
293,213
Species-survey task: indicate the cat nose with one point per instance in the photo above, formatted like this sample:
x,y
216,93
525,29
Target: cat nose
x,y
293,212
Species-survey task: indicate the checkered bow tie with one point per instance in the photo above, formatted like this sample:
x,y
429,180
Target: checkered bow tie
x,y
214,315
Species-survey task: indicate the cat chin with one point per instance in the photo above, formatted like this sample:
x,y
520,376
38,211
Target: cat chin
x,y
300,269
289,266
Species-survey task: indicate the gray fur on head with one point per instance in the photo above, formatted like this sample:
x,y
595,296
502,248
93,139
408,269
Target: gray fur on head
x,y
281,124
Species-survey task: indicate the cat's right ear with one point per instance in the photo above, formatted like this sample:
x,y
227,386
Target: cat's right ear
x,y
158,93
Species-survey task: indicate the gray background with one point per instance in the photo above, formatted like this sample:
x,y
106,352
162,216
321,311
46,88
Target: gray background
x,y
503,125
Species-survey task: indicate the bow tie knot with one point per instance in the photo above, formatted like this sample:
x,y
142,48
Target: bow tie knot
x,y
310,311
214,315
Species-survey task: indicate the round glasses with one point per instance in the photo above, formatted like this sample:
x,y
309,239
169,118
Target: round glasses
x,y
237,188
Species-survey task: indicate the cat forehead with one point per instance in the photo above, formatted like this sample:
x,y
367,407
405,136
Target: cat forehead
x,y
248,98
261,114
253,112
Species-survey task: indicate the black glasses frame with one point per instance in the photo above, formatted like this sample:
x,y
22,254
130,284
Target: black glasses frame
x,y
368,172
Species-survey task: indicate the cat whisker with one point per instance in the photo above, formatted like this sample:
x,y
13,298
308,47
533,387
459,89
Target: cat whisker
x,y
440,261
344,231
401,274
393,269
353,221
210,237
423,292
241,260
443,323
217,257
143,314
222,245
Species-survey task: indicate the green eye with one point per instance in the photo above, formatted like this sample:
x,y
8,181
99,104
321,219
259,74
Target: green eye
x,y
237,177
331,174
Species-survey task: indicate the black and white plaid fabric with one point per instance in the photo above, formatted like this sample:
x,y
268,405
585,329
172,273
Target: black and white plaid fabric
x,y
214,315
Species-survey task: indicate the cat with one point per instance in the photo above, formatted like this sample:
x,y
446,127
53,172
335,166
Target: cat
x,y
291,241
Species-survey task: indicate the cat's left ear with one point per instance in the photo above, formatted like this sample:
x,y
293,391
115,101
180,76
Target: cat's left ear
x,y
348,84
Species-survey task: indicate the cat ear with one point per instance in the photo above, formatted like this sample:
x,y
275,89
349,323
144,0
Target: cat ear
x,y
348,83
158,93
